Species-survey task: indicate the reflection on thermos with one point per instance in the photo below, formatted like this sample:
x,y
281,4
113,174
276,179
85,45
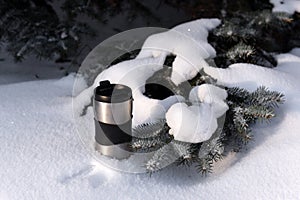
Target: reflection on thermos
x,y
113,118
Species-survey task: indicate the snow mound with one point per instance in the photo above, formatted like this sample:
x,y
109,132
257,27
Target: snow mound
x,y
210,94
191,47
198,122
192,124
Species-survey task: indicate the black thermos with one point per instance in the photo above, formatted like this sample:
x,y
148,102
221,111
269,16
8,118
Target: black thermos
x,y
113,119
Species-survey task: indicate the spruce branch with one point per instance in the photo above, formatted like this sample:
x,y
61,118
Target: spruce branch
x,y
150,136
204,166
181,153
187,152
238,95
150,129
246,108
259,112
240,51
151,143
226,30
163,157
262,96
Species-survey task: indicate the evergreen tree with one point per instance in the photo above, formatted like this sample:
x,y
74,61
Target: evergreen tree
x,y
33,27
55,30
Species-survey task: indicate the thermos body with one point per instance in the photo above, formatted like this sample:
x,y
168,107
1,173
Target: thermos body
x,y
112,105
113,113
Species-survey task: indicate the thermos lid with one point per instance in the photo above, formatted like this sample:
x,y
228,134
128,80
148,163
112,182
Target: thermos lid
x,y
112,93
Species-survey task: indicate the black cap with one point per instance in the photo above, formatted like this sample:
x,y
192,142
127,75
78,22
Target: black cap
x,y
112,93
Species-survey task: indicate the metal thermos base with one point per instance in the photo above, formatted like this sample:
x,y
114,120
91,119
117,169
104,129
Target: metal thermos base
x,y
118,151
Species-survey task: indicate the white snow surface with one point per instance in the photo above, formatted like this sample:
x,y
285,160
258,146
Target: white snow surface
x,y
42,157
12,71
289,6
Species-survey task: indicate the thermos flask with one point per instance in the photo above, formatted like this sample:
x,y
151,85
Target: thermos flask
x,y
112,105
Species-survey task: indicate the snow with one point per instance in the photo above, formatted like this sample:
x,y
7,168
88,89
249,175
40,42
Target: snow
x,y
191,47
192,124
27,70
252,76
210,94
289,6
198,122
43,157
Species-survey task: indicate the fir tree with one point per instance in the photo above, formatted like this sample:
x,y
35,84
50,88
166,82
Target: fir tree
x,y
33,27
37,27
